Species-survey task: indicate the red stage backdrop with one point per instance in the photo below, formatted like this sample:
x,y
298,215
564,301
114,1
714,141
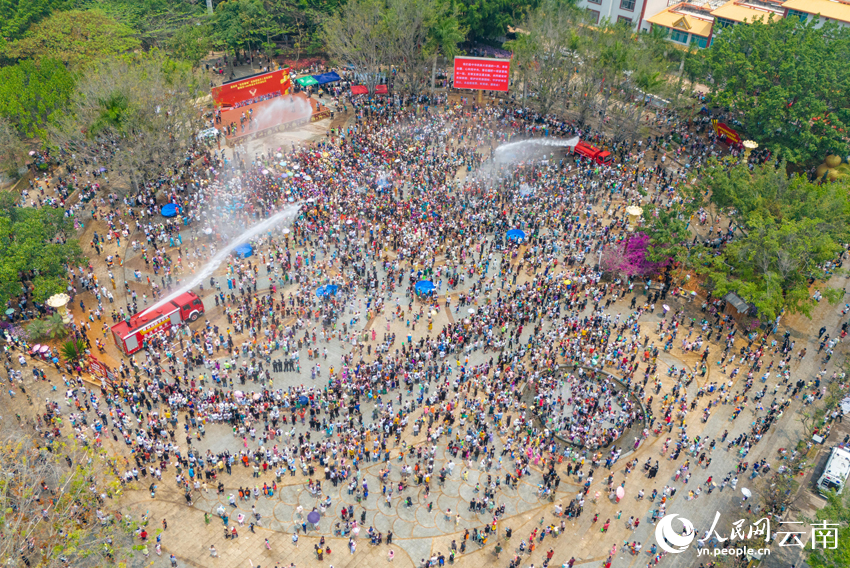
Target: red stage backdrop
x,y
252,87
482,73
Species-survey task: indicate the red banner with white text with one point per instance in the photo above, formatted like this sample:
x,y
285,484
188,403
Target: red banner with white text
x,y
482,73
251,88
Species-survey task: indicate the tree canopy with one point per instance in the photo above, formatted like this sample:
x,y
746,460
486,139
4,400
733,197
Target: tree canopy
x,y
490,18
19,15
74,37
35,250
242,23
33,93
787,82
787,232
834,512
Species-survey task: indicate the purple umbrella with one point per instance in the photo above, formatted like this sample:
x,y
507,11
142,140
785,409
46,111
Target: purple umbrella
x,y
314,517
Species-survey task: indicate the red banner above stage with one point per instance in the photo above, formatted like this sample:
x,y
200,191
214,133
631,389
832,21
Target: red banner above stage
x,y
252,88
723,129
482,73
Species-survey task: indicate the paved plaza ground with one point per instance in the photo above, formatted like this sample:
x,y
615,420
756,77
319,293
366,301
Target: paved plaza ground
x,y
426,528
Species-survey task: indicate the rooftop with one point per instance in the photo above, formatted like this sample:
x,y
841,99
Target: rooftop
x,y
749,10
832,9
688,17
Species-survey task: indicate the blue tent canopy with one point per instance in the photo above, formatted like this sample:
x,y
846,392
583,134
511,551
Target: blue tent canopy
x,y
327,290
326,78
245,250
516,235
169,210
425,287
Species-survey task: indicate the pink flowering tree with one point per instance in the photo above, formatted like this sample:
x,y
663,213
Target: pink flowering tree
x,y
630,257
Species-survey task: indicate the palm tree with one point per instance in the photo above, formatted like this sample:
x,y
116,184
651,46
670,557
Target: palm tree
x,y
51,327
73,350
56,328
113,116
443,39
36,330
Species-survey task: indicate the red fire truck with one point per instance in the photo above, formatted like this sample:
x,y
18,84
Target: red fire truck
x,y
595,154
130,335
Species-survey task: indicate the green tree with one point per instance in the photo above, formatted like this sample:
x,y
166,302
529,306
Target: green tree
x,y
75,37
488,19
788,82
33,94
835,511
191,42
300,22
241,24
71,522
787,232
73,350
443,38
668,233
36,248
20,15
48,327
156,22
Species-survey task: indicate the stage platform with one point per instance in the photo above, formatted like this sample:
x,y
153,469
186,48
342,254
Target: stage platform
x,y
273,115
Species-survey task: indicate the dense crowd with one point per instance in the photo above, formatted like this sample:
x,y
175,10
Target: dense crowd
x,y
413,191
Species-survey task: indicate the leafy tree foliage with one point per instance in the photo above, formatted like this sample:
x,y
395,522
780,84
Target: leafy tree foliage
x,y
155,22
51,327
33,93
835,511
74,37
788,230
191,42
490,18
35,250
19,15
445,35
240,24
788,82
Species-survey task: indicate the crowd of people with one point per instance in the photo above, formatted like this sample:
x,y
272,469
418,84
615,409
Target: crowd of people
x,y
413,190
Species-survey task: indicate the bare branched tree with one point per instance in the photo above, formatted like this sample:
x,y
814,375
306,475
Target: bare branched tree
x,y
55,504
134,116
357,35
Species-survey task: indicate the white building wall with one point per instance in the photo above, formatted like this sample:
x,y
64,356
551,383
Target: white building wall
x,y
614,10
652,7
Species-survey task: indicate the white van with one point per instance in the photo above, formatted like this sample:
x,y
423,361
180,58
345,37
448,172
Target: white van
x,y
836,472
